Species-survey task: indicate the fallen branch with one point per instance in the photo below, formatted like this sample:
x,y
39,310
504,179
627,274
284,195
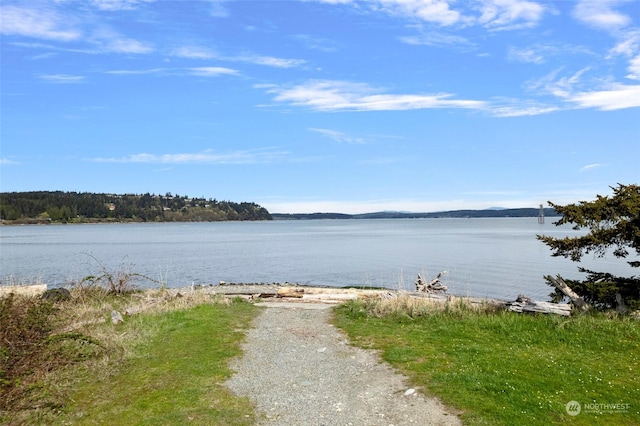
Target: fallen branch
x,y
566,290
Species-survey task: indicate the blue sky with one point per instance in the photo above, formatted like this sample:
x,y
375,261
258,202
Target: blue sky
x,y
323,105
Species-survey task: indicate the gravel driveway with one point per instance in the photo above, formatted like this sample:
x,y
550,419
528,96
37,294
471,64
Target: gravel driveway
x,y
299,370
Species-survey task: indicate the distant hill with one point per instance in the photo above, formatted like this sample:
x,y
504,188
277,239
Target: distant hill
x,y
523,212
74,207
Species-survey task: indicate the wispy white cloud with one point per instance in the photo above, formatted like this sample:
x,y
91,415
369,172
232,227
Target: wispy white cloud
x,y
528,55
197,71
53,48
266,155
510,14
137,72
557,86
331,95
194,52
433,11
494,15
634,68
50,25
40,22
601,14
317,43
127,45
520,108
539,53
44,22
116,5
617,96
108,40
600,94
628,44
8,162
435,38
212,71
218,9
269,61
201,52
590,167
338,136
62,78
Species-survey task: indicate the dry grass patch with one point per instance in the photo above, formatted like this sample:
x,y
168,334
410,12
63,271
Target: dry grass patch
x,y
411,306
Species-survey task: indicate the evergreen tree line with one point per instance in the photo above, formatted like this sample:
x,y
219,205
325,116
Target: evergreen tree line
x,y
58,206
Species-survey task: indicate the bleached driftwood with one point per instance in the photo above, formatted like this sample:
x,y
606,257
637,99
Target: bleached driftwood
x,y
328,293
25,290
559,283
433,286
330,297
291,292
523,305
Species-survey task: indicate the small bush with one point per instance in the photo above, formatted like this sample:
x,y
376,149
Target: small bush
x,y
118,281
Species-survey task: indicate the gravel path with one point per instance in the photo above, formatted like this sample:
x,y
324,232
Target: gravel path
x,y
299,370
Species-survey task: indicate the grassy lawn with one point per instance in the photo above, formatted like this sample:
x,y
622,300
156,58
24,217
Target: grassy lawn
x,y
174,377
504,368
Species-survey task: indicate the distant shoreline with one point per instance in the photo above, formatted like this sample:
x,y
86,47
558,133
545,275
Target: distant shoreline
x,y
461,214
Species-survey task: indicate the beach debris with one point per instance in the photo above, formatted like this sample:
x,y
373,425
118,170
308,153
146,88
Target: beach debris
x,y
524,304
410,391
290,292
559,283
433,286
25,290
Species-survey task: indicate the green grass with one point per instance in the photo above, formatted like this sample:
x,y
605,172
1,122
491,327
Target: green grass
x,y
504,368
174,376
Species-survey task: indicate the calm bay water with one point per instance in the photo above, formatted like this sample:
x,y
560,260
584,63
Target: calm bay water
x,y
484,257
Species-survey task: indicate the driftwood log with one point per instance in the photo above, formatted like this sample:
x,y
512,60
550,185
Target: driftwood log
x,y
433,286
291,292
329,293
26,290
525,305
559,283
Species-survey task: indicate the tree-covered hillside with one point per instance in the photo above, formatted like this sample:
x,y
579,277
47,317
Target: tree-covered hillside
x,y
58,206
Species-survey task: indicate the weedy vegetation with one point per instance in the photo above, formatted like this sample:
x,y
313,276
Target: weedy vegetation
x,y
66,362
